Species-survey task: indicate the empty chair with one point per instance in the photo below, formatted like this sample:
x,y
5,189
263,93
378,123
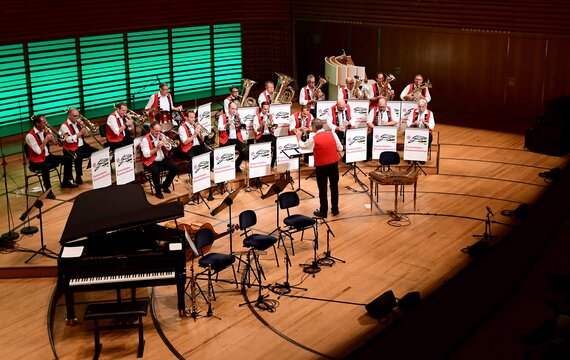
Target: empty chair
x,y
295,222
213,263
387,159
254,242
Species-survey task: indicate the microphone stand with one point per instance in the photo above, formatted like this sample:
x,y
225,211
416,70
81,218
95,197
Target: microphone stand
x,y
28,229
43,250
11,235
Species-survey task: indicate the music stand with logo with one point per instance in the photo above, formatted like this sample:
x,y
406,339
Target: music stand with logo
x,y
296,154
43,250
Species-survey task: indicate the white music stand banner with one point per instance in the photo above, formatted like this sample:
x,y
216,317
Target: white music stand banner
x,y
396,106
205,116
284,163
200,172
406,109
324,109
124,165
259,160
359,111
224,164
416,144
247,114
101,169
384,138
281,114
356,144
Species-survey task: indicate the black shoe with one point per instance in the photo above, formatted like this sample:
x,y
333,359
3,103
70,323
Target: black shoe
x,y
317,213
78,180
159,195
68,185
51,195
166,190
335,212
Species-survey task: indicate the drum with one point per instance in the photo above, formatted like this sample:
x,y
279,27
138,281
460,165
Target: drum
x,y
165,120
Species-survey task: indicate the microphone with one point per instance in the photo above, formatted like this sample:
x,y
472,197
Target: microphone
x,y
157,78
490,211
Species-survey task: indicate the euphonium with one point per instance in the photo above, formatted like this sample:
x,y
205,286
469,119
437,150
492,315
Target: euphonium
x,y
284,93
384,89
355,93
418,91
172,143
320,96
245,100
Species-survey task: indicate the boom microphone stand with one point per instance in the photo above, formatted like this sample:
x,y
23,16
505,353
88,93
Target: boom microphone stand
x,y
43,250
328,259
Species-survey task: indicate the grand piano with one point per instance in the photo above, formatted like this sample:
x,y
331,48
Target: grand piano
x,y
112,241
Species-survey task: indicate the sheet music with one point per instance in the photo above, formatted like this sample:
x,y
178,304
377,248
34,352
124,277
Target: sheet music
x,y
72,251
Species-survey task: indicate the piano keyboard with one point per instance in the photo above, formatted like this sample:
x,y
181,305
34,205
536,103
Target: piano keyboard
x,y
110,279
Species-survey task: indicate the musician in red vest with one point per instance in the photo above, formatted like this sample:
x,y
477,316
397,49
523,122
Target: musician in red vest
x,y
233,97
153,145
422,118
340,119
380,115
408,92
301,120
233,132
325,146
375,90
308,97
161,102
265,96
191,138
118,127
38,141
348,91
264,128
74,144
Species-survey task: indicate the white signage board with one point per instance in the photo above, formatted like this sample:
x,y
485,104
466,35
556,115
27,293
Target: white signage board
x,y
259,160
356,144
201,172
101,169
384,138
125,164
224,163
284,143
416,144
281,114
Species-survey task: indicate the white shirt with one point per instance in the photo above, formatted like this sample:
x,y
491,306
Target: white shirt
x,y
31,141
310,143
64,129
261,99
145,148
257,125
406,92
306,122
303,100
184,136
231,120
382,116
421,118
163,102
112,123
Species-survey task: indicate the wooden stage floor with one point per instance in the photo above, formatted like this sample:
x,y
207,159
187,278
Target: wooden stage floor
x,y
478,167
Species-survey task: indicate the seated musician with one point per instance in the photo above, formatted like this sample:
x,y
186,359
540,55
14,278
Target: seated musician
x,y
233,97
264,129
161,102
118,127
301,120
348,91
408,93
421,117
233,132
307,95
266,94
38,141
340,119
379,115
376,91
153,145
191,138
74,144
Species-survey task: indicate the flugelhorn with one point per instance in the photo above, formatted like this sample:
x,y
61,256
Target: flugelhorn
x,y
172,143
136,118
202,130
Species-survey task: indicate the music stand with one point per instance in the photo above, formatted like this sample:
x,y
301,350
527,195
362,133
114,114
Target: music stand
x,y
193,312
414,166
296,154
43,250
227,203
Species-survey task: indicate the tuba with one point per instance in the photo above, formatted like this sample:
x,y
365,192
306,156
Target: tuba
x,y
417,93
384,89
245,100
284,93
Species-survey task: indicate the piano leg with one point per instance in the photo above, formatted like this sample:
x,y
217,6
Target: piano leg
x,y
70,319
181,293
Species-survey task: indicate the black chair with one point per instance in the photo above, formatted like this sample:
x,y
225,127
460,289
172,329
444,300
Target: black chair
x,y
254,242
295,222
103,132
37,174
387,159
213,263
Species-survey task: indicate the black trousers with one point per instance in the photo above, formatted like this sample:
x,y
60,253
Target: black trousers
x,y
115,145
82,152
156,167
273,140
242,150
327,173
51,162
195,151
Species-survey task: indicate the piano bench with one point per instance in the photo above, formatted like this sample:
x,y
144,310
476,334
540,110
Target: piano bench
x,y
121,312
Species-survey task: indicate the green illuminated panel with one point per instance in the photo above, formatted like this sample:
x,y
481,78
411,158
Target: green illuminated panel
x,y
15,118
227,55
53,77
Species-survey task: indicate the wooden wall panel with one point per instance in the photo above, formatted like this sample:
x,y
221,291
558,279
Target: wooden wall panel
x,y
557,68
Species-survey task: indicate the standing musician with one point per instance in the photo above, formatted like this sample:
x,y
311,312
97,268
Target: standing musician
x,y
408,92
38,141
376,90
340,119
266,94
422,118
348,91
308,97
264,129
191,138
301,120
379,115
118,125
155,161
74,143
232,132
232,98
325,146
161,102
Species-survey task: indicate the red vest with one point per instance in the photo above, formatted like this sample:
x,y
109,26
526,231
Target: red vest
x,y
375,121
297,117
110,135
36,158
147,161
224,135
415,116
325,148
411,88
375,92
344,91
267,98
258,136
70,146
186,147
307,96
333,113
155,103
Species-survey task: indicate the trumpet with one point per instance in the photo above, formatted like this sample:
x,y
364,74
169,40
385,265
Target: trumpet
x,y
172,143
203,131
268,122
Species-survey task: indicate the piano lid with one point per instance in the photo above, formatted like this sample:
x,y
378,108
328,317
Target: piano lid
x,y
113,208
